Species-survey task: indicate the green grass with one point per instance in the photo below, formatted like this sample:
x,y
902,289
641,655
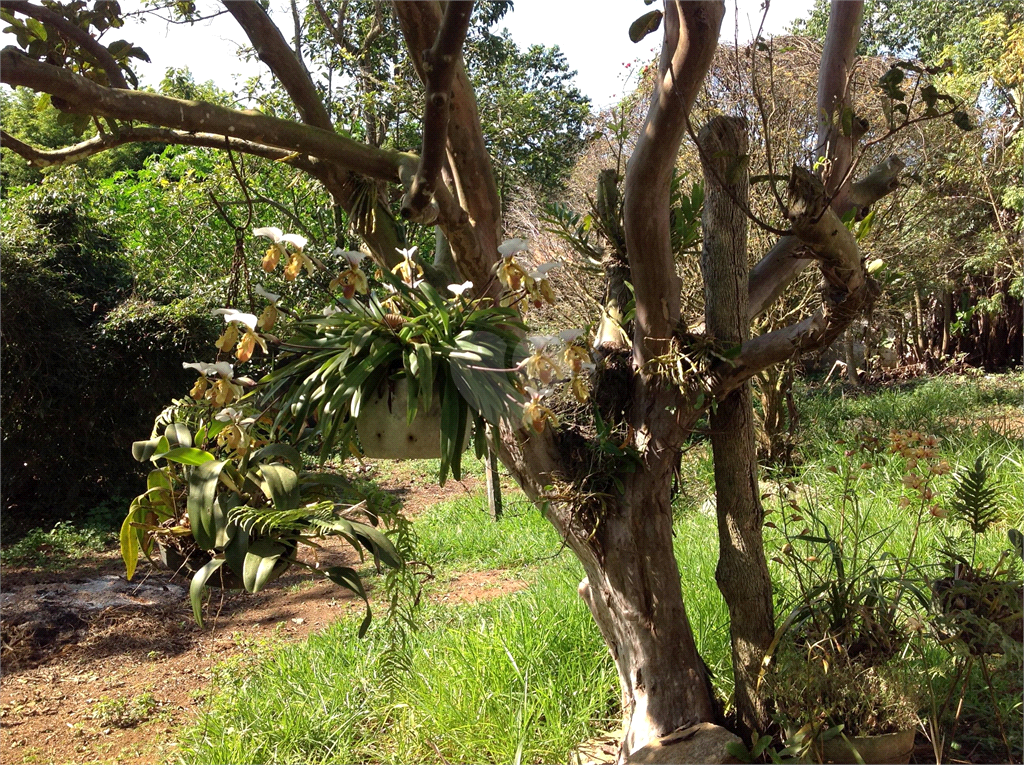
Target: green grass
x,y
57,548
525,677
460,534
519,679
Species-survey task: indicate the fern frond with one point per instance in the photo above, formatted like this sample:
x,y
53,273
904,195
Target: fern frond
x,y
974,500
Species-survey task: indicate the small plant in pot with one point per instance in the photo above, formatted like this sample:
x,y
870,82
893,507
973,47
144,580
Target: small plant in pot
x,y
232,507
837,671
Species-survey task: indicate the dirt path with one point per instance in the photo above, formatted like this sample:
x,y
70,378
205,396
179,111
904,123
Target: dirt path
x,y
114,683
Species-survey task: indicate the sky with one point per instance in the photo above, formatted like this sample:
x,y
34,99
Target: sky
x,y
591,33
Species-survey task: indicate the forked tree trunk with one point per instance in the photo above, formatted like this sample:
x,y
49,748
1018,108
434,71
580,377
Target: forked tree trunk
x,y
742,571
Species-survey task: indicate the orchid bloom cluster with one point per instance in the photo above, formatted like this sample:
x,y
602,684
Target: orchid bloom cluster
x,y
921,454
555,358
409,271
297,259
534,285
222,391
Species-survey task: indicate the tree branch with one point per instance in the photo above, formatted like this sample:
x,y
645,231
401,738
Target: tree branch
x,y
74,34
834,97
770,277
420,23
691,37
848,290
105,142
774,272
81,96
285,65
439,65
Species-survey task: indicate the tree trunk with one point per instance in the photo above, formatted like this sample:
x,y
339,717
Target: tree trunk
x,y
947,321
634,593
742,572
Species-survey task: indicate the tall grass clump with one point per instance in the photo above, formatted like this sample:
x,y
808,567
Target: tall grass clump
x,y
523,678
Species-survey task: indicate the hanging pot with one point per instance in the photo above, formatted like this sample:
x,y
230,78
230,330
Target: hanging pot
x,y
384,432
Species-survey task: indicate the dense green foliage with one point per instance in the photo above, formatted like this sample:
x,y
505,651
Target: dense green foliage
x,y
83,362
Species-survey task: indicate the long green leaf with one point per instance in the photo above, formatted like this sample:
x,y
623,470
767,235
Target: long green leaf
x,y
195,589
202,489
281,486
424,358
260,559
130,540
143,450
187,455
378,544
178,435
286,451
349,579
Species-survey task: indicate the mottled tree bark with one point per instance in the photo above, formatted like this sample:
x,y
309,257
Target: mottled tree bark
x,y
742,572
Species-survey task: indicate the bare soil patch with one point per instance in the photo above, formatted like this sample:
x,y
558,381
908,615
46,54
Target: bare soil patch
x,y
80,644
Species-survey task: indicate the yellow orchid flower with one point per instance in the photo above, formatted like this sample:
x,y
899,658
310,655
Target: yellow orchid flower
x,y
535,414
278,241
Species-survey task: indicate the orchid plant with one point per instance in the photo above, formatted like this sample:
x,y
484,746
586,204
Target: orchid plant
x,y
227,475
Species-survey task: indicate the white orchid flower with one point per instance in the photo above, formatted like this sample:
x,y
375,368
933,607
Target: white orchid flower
x,y
540,342
230,315
409,271
353,257
228,414
267,295
512,246
569,336
221,368
540,272
460,289
277,236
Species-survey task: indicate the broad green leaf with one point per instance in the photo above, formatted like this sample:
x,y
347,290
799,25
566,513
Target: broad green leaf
x,y
143,450
157,479
449,425
286,451
187,455
195,589
260,559
202,489
236,549
349,579
424,358
178,435
223,528
281,486
130,540
378,544
644,25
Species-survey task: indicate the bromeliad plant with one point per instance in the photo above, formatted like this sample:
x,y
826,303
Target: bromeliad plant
x,y
234,506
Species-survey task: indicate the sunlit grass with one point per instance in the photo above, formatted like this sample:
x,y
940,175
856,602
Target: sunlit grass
x,y
525,677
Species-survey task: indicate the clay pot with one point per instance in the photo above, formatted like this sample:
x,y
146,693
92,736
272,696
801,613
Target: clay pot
x,y
883,749
384,433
